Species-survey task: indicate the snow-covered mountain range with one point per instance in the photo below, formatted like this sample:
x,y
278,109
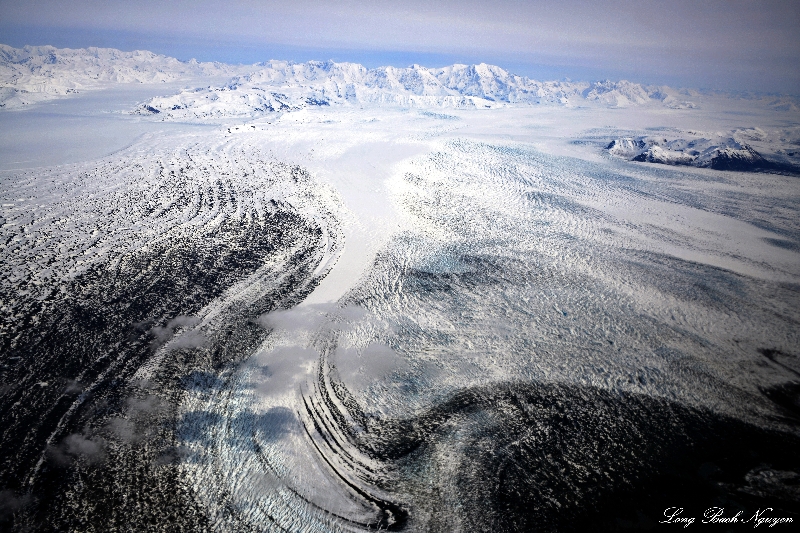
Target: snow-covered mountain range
x,y
214,90
285,86
37,73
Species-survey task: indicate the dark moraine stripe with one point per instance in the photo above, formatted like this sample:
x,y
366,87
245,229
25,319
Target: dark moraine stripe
x,y
112,464
555,457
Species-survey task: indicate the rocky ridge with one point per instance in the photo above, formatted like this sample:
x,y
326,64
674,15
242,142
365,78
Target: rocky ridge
x,y
749,150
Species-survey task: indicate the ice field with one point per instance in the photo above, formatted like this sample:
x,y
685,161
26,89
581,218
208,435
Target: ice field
x,y
393,315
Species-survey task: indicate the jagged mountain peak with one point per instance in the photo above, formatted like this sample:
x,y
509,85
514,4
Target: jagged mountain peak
x,y
36,73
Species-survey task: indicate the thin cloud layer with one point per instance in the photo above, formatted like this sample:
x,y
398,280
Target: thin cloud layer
x,y
727,44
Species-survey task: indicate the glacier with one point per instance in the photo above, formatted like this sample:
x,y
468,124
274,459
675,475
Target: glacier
x,y
322,297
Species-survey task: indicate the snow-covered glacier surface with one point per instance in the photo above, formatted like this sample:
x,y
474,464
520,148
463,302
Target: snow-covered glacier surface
x,y
407,306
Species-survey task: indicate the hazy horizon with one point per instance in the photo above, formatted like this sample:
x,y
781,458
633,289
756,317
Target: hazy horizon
x,y
727,45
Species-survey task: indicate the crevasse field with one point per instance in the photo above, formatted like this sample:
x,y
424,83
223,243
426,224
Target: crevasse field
x,y
354,305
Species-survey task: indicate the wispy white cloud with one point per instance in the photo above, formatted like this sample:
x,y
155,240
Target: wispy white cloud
x,y
189,339
11,502
91,449
283,367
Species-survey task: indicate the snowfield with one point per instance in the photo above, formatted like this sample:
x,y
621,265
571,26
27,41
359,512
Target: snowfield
x,y
321,297
39,73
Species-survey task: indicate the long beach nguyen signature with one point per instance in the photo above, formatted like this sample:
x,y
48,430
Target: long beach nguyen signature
x,y
716,515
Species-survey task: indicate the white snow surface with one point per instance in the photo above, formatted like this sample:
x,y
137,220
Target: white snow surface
x,y
37,73
605,259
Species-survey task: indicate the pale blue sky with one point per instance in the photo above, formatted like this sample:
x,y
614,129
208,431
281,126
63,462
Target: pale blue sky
x,y
726,44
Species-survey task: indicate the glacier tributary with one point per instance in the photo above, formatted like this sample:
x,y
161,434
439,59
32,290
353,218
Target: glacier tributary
x,y
334,320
